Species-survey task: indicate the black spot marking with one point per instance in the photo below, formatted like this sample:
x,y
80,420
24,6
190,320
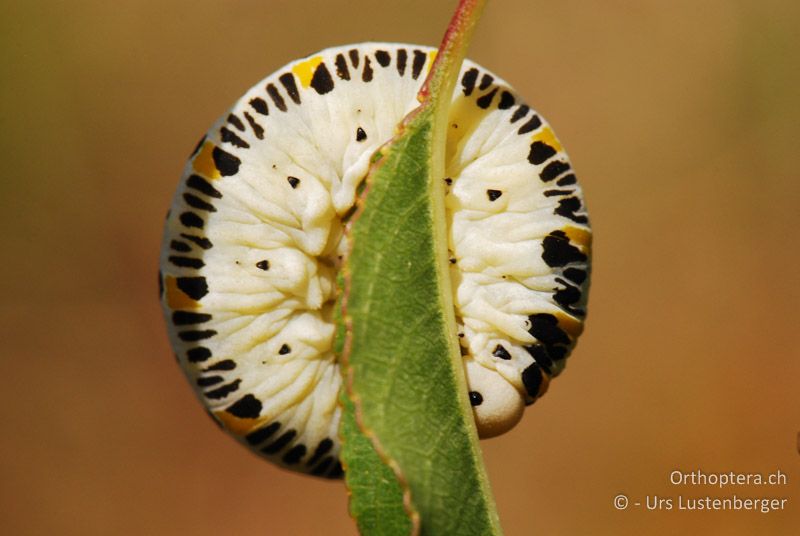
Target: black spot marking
x,y
293,181
452,260
383,57
544,327
287,79
236,122
227,364
567,208
567,297
190,219
555,193
486,100
322,449
558,251
501,352
177,245
539,354
567,180
532,124
468,81
276,97
532,379
337,471
575,274
263,265
284,349
402,59
196,335
201,185
353,53
195,202
201,241
262,434
475,398
226,163
258,130
197,147
360,134
208,381
197,355
519,113
294,454
486,81
279,443
160,284
185,318
553,170
341,68
449,181
322,81
506,100
366,74
247,407
229,137
322,467
557,352
259,105
419,62
194,287
540,152
493,194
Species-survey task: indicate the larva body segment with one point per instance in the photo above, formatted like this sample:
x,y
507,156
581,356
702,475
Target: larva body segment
x,y
253,244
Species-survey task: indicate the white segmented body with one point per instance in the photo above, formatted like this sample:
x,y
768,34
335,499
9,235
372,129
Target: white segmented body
x,y
253,244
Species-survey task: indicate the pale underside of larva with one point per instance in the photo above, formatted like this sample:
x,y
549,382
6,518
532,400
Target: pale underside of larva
x,y
253,243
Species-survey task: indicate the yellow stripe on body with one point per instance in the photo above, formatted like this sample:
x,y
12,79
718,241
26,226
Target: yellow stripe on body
x,y
578,236
572,326
304,70
204,164
176,298
235,424
431,58
546,135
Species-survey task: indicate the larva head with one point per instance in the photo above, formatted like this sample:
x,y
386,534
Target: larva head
x,y
251,246
496,404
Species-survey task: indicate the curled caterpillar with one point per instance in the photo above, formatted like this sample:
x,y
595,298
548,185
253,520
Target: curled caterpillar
x,y
254,241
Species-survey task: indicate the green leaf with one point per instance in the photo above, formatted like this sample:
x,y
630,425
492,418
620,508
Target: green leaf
x,y
376,496
405,375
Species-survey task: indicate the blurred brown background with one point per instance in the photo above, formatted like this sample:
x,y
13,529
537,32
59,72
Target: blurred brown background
x,y
682,121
